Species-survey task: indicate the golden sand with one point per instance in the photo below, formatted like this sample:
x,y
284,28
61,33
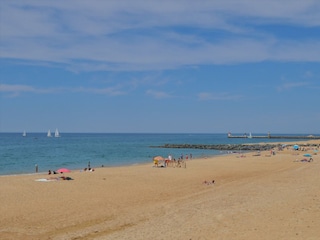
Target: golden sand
x,y
253,197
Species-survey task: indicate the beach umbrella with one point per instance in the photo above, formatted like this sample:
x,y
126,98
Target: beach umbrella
x,y
63,170
295,147
159,158
307,155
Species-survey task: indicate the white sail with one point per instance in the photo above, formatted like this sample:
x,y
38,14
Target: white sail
x,y
24,134
49,133
56,133
250,136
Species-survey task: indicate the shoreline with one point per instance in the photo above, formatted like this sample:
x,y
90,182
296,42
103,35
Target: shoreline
x,y
234,147
110,167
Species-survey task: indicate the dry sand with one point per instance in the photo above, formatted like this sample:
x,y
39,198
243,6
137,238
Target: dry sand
x,y
254,197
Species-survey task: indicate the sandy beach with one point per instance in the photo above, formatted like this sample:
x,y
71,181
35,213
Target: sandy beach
x,y
253,197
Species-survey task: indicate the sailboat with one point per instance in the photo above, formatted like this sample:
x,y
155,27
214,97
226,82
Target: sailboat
x,y
49,133
56,133
24,134
250,136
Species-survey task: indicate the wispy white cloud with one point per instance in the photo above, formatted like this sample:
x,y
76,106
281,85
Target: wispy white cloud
x,y
105,91
291,85
208,96
16,90
139,35
158,94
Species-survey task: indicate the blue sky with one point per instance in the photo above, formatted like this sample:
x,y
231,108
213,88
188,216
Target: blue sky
x,y
160,66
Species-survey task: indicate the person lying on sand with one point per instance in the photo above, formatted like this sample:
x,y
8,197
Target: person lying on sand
x,y
66,178
60,178
53,179
88,169
208,182
304,160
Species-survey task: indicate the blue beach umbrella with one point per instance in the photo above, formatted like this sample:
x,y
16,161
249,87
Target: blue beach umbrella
x,y
307,155
295,147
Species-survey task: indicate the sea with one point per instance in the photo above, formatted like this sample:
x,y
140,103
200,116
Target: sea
x,y
36,151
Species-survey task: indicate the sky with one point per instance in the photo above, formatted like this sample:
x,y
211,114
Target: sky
x,y
136,66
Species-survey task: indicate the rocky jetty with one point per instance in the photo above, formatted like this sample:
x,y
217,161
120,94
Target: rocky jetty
x,y
230,147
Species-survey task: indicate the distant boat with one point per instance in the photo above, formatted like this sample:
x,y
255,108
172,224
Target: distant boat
x,y
56,133
49,133
250,136
24,134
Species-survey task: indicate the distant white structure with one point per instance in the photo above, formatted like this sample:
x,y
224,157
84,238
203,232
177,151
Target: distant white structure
x,y
49,133
56,133
24,134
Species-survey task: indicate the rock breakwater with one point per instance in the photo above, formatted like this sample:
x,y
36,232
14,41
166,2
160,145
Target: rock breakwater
x,y
231,147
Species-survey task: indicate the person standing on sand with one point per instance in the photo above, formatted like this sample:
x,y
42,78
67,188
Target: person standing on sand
x,y
156,163
169,161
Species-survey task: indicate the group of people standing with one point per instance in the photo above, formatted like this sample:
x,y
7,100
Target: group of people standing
x,y
170,161
186,156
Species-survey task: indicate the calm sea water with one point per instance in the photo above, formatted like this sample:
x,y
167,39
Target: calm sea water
x,y
19,154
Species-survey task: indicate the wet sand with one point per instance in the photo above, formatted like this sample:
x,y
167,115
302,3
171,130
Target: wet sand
x,y
253,197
